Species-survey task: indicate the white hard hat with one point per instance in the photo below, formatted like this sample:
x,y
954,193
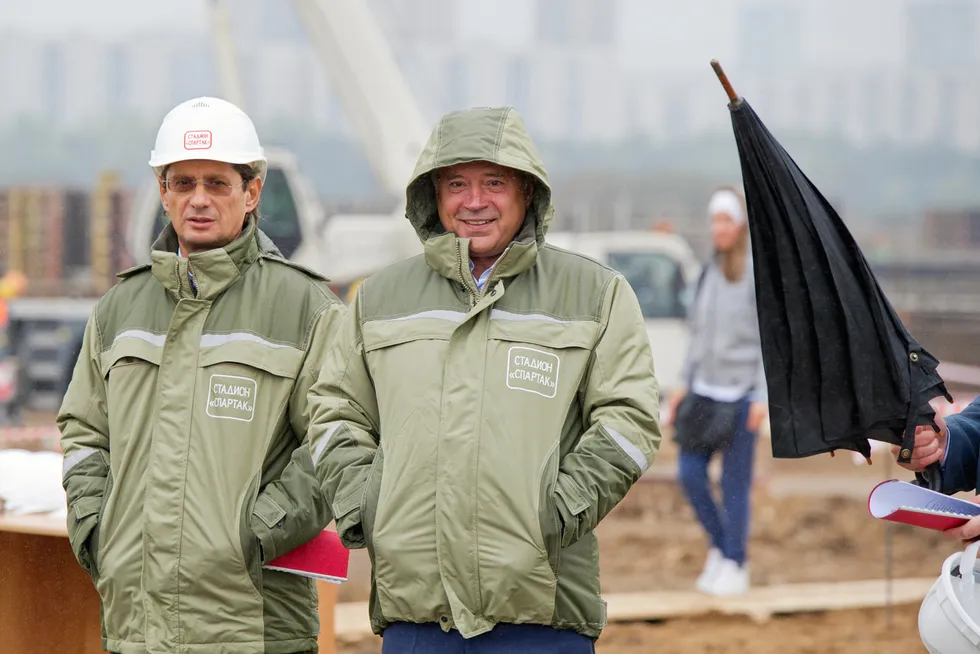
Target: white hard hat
x,y
949,615
207,128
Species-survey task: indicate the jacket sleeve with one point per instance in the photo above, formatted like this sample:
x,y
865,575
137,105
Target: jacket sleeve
x,y
621,415
83,421
291,510
962,456
344,429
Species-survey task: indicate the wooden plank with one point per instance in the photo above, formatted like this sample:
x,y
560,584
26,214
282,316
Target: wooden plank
x,y
49,602
762,602
40,524
25,547
351,621
327,596
351,618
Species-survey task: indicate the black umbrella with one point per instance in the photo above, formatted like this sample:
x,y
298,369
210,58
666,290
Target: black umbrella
x,y
840,366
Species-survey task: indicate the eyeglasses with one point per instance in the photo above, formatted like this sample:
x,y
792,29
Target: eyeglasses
x,y
184,185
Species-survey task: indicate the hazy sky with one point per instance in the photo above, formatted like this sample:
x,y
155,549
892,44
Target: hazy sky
x,y
652,33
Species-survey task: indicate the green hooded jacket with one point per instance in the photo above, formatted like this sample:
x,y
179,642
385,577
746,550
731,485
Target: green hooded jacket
x,y
181,432
472,441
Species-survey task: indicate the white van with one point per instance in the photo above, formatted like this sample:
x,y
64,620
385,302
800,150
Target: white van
x,y
662,270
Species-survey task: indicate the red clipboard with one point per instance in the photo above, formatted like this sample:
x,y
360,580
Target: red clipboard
x,y
324,558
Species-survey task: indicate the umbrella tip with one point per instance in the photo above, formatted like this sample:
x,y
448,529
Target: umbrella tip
x,y
732,96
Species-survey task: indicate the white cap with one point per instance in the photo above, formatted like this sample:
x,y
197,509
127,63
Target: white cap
x,y
211,129
948,615
727,202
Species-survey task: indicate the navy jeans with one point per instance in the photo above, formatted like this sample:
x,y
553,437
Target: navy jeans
x,y
727,525
429,638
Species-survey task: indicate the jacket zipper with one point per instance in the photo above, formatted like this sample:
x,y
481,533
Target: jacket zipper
x,y
462,281
180,287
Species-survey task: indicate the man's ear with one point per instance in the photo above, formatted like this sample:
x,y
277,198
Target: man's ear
x,y
252,193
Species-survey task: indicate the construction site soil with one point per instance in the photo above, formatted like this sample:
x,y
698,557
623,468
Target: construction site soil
x,y
823,533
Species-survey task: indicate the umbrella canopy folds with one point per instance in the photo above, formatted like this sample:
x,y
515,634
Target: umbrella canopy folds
x,y
841,368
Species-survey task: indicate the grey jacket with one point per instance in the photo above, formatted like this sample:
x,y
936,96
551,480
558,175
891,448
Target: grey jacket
x,y
725,349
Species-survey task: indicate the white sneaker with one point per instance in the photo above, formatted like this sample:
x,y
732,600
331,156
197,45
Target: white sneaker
x,y
710,569
731,579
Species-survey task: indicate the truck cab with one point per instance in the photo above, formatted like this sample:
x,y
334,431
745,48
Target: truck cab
x,y
661,268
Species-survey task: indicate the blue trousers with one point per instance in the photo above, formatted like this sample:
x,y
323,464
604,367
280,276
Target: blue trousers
x,y
429,638
727,525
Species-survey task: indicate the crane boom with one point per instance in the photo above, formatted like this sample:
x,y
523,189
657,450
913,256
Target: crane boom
x,y
224,54
374,93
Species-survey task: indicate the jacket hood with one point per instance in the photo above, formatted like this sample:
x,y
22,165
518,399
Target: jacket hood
x,y
496,135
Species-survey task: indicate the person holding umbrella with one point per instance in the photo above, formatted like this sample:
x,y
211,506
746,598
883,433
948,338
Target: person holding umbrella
x,y
956,447
725,401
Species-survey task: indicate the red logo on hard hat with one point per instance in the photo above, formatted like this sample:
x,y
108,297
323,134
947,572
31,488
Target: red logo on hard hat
x,y
199,140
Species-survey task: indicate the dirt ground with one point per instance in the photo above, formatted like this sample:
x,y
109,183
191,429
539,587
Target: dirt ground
x,y
810,523
843,632
652,542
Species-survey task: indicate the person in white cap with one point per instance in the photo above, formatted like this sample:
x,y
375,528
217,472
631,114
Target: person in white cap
x,y
725,401
183,422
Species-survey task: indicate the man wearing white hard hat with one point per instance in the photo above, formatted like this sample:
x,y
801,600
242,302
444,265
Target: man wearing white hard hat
x,y
182,425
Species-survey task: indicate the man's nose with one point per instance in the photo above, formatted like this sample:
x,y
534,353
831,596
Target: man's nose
x,y
476,199
200,197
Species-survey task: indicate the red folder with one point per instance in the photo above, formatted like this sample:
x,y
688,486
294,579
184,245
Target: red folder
x,y
911,504
324,558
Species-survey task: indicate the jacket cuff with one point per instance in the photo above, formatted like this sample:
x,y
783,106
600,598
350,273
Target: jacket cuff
x,y
83,518
347,514
571,504
266,517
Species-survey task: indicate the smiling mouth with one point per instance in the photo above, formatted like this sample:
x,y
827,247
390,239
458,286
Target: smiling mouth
x,y
478,223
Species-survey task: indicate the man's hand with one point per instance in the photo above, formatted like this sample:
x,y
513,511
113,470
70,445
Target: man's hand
x,y
674,401
929,448
968,532
757,413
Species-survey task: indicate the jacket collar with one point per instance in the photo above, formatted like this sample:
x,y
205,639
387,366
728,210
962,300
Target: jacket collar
x,y
213,270
450,256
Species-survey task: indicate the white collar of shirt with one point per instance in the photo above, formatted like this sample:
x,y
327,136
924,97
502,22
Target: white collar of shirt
x,y
481,281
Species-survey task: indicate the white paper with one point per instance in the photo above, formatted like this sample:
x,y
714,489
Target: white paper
x,y
892,496
311,575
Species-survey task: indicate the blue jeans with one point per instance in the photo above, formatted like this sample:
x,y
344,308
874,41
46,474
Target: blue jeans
x,y
429,638
727,525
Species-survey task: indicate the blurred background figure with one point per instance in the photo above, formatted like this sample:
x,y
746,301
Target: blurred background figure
x,y
724,404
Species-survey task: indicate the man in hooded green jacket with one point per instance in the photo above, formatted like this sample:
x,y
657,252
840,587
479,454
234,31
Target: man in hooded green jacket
x,y
183,423
484,406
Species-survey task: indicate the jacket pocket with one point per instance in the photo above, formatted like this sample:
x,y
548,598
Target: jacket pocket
x,y
249,541
83,522
129,368
535,365
370,498
548,516
98,536
246,382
